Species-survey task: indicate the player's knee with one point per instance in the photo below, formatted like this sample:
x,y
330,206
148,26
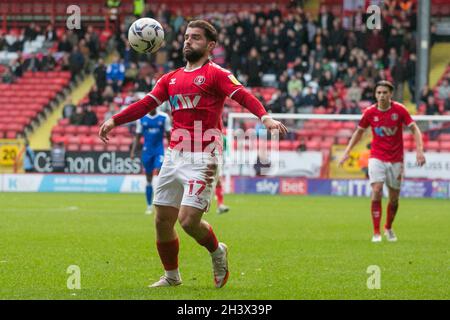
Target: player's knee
x,y
163,223
377,194
393,201
189,225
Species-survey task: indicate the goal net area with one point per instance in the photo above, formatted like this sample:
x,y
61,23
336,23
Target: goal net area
x,y
307,157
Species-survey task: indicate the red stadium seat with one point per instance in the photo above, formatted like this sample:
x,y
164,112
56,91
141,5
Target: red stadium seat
x,y
313,145
432,145
112,148
444,137
444,146
124,148
99,147
86,147
73,147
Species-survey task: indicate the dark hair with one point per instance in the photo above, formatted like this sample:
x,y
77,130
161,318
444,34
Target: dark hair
x,y
384,83
210,31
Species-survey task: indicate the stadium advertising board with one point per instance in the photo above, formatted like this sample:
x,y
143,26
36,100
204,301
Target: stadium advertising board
x,y
72,183
437,166
287,164
91,162
241,185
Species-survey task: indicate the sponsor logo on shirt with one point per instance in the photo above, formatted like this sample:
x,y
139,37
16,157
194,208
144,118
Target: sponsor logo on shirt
x,y
234,80
385,131
180,101
173,80
376,119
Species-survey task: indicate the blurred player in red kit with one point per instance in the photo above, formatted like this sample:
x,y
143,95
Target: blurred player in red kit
x,y
196,94
387,119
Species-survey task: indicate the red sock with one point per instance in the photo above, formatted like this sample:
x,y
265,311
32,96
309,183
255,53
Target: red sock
x,y
376,216
219,195
209,241
391,212
168,253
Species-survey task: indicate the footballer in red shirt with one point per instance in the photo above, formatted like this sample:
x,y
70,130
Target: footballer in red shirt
x,y
196,94
386,118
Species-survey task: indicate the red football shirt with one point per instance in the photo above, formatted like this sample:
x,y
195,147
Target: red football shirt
x,y
387,130
196,96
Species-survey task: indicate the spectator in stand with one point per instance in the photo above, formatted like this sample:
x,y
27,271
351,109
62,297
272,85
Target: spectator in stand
x,y
50,33
410,75
95,96
447,104
425,93
308,102
254,64
8,76
326,80
100,75
108,94
131,73
322,100
115,74
89,116
76,61
431,106
144,84
28,157
398,77
443,90
32,63
113,109
295,83
93,42
368,90
68,108
76,118
65,45
354,93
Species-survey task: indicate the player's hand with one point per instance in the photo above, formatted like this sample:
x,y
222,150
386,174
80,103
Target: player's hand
x,y
420,158
272,124
105,128
132,155
210,173
344,158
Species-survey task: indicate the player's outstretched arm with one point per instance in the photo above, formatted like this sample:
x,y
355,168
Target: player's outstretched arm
x,y
272,124
252,104
420,156
356,137
131,113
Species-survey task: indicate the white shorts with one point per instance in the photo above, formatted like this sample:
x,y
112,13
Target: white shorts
x,y
390,173
182,180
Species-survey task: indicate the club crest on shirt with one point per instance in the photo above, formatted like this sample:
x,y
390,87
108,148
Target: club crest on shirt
x,y
199,80
394,116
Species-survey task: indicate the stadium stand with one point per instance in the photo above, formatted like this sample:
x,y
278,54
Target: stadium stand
x,y
325,53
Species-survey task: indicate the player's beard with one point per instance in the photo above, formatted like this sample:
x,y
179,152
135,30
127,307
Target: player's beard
x,y
193,55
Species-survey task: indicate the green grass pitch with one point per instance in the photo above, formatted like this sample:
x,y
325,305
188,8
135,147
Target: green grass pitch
x,y
280,247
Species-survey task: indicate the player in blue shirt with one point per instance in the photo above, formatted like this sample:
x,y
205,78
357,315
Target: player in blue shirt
x,y
152,127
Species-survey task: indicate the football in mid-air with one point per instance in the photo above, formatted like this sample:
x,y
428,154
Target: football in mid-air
x,y
146,35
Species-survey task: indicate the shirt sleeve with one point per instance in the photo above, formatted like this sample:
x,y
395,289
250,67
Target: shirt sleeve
x,y
364,122
159,92
406,117
226,82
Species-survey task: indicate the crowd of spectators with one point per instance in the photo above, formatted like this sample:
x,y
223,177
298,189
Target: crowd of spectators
x,y
66,50
324,63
